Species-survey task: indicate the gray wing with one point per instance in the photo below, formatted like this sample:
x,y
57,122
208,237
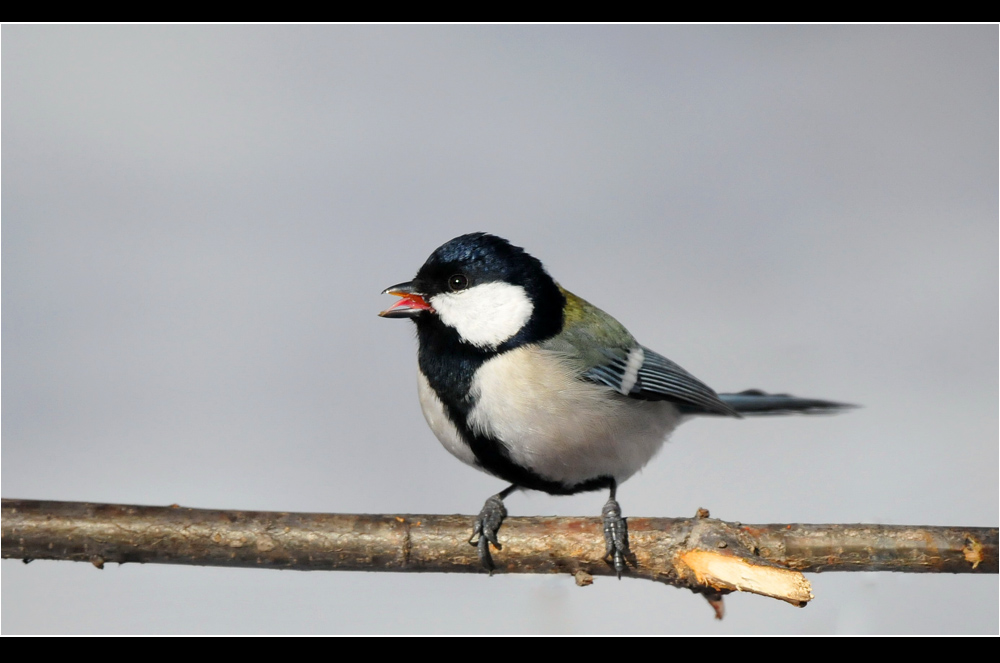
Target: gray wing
x,y
641,373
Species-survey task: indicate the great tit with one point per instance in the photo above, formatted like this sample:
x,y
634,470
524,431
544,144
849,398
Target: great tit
x,y
522,379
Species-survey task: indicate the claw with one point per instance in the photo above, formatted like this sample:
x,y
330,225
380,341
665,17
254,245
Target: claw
x,y
616,552
485,528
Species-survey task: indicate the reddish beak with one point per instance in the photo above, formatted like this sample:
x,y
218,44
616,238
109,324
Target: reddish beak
x,y
411,304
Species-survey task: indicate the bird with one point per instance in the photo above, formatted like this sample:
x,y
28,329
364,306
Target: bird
x,y
522,379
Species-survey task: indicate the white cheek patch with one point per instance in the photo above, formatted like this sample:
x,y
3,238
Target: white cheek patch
x,y
485,315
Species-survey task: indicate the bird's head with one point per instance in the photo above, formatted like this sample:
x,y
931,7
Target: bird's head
x,y
484,289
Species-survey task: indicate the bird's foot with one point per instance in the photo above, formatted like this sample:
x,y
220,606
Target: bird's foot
x,y
486,527
617,553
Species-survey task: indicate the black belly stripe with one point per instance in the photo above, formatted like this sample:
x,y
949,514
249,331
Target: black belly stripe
x,y
450,366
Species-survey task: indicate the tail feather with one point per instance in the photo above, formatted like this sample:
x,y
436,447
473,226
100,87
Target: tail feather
x,y
755,402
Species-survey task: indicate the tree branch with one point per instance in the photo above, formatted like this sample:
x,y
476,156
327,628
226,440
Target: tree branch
x,y
708,556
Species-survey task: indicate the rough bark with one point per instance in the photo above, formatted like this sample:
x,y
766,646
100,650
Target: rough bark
x,y
708,556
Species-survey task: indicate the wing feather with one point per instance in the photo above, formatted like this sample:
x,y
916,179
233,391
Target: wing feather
x,y
651,376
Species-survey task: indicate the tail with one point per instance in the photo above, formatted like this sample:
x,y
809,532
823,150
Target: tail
x,y
755,402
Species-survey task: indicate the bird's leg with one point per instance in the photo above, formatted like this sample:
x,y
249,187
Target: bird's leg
x,y
487,525
616,552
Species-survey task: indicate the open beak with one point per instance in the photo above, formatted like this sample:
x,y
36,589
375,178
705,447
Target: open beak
x,y
411,304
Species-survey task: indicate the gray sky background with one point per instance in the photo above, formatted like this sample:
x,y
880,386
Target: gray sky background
x,y
197,222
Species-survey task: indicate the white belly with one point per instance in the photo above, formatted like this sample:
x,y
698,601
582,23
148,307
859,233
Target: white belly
x,y
439,422
560,427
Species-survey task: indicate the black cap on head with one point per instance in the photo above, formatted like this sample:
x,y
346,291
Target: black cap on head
x,y
477,258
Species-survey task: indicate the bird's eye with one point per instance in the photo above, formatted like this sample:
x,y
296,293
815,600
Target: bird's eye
x,y
458,282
